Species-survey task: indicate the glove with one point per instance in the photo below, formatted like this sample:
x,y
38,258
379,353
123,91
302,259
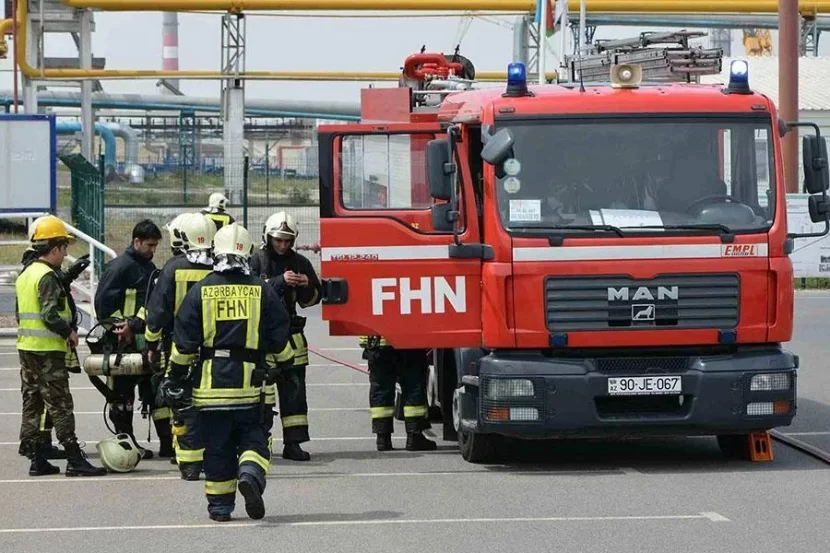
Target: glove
x,y
77,268
175,394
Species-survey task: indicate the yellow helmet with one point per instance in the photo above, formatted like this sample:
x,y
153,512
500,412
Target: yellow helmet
x,y
48,227
232,239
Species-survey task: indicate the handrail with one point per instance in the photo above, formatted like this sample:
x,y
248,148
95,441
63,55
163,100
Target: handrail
x,y
93,245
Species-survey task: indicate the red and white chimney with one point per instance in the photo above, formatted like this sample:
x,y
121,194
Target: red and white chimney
x,y
170,47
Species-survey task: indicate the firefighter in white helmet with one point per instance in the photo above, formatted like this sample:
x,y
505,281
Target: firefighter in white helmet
x,y
192,234
230,341
217,210
293,277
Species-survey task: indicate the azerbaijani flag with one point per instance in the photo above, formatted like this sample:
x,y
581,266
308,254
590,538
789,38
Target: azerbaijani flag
x,y
553,6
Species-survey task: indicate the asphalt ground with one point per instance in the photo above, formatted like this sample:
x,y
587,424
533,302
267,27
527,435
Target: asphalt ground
x,y
640,496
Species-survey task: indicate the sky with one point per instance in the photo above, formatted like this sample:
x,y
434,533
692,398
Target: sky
x,y
134,41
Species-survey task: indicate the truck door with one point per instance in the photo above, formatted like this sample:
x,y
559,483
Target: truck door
x,y
387,266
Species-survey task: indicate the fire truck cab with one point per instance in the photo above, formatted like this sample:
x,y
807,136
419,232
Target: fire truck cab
x,y
583,261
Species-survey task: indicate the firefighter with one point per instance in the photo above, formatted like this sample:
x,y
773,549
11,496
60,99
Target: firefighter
x,y
46,339
292,275
217,210
408,367
122,293
192,235
230,341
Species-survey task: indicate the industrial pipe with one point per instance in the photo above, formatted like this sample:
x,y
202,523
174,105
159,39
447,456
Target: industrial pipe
x,y
236,6
132,170
93,74
789,38
70,127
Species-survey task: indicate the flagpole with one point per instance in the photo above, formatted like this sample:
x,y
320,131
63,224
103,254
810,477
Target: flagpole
x,y
543,36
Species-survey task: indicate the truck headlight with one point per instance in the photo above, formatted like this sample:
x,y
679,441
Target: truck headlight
x,y
769,382
500,388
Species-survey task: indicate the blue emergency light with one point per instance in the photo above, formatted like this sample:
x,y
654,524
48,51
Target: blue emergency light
x,y
516,79
739,77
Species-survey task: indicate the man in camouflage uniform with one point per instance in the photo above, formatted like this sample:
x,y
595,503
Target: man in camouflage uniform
x,y
46,342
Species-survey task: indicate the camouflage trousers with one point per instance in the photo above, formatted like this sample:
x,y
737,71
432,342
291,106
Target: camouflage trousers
x,y
44,385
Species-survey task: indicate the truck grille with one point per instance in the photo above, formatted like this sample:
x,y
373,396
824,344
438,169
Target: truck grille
x,y
622,303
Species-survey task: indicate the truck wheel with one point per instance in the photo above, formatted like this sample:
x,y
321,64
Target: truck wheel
x,y
475,448
734,446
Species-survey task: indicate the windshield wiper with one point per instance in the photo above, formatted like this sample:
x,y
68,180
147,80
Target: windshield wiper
x,y
726,233
544,227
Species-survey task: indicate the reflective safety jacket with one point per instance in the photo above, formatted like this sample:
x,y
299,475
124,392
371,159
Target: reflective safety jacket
x,y
272,267
122,291
177,277
220,218
43,312
231,327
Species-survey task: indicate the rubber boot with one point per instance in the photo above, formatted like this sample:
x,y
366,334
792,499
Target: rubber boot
x,y
249,488
165,434
384,441
77,465
294,452
40,466
190,471
416,441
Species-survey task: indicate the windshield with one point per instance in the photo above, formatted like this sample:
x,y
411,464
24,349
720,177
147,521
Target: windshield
x,y
630,172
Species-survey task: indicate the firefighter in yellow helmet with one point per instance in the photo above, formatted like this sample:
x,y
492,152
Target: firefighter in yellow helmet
x,y
293,277
192,235
46,337
217,210
230,342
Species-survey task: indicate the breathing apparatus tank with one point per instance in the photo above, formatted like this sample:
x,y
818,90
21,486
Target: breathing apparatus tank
x,y
106,358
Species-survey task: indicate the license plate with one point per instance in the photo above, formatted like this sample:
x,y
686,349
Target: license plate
x,y
644,385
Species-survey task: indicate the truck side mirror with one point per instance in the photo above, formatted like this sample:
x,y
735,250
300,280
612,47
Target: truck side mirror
x,y
439,169
443,217
819,207
498,147
814,158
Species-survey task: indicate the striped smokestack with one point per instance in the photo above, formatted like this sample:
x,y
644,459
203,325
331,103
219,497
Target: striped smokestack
x,y
170,46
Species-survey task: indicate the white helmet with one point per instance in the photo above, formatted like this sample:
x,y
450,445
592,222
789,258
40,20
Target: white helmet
x,y
172,228
218,201
232,239
280,225
119,453
195,231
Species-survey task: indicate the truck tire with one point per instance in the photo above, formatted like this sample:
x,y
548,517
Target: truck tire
x,y
475,448
734,446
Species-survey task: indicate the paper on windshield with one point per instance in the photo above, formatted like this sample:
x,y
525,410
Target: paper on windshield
x,y
525,211
626,218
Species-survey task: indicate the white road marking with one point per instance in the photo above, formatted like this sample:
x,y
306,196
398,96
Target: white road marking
x,y
513,520
715,517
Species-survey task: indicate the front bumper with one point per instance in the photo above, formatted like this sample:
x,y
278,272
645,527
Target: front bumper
x,y
570,397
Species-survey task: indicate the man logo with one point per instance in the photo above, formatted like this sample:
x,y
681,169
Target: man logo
x,y
643,312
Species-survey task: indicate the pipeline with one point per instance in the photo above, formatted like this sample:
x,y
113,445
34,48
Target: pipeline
x,y
133,171
70,127
40,73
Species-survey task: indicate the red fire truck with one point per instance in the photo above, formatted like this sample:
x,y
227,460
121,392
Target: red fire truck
x,y
584,260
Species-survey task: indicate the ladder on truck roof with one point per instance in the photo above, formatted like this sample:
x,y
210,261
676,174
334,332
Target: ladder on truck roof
x,y
671,60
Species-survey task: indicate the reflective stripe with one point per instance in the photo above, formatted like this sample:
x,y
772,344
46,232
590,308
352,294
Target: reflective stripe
x,y
311,301
247,373
184,278
181,358
162,413
412,411
152,336
382,412
364,341
216,402
294,420
208,323
254,457
142,314
220,488
252,335
190,455
206,382
32,334
42,425
129,302
286,354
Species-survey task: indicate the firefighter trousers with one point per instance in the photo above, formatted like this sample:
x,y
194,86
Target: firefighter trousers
x,y
291,389
190,446
407,367
236,443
